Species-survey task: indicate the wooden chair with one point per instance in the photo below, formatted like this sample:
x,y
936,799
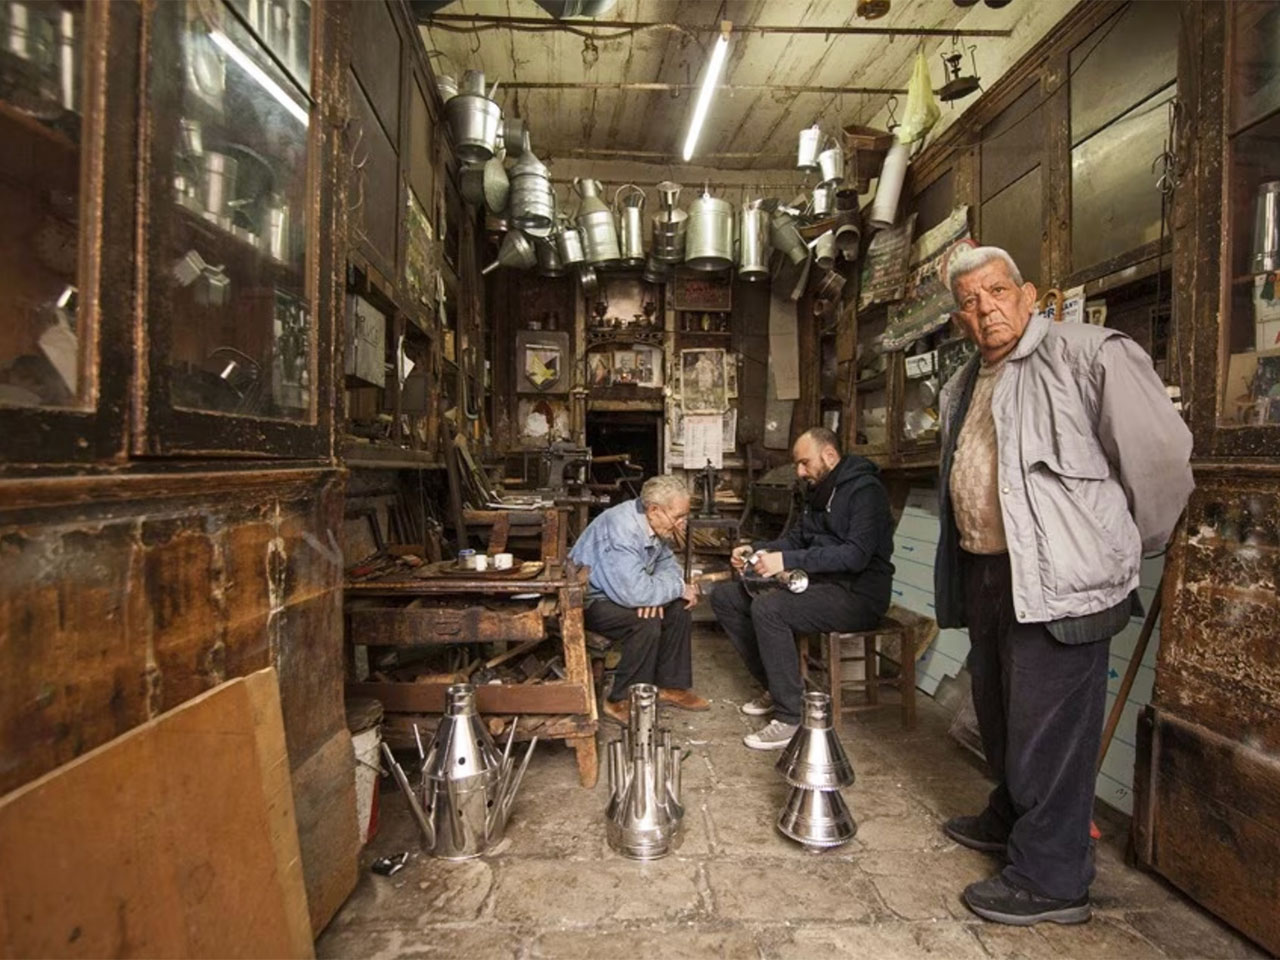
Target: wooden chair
x,y
913,633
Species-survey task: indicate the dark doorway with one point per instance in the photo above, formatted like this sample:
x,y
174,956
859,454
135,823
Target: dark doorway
x,y
635,433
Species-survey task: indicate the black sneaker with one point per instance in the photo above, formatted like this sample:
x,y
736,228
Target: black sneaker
x,y
1000,901
970,832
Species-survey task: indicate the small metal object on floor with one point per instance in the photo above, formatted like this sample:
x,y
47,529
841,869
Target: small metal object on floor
x,y
390,866
644,816
816,766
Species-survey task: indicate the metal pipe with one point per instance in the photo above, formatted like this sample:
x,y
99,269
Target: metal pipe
x,y
647,87
543,23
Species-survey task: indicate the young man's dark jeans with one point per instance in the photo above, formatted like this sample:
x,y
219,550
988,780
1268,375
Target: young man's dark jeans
x,y
1040,705
763,630
654,650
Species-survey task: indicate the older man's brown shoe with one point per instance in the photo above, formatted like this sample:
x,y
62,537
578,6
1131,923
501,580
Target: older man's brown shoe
x,y
619,711
682,699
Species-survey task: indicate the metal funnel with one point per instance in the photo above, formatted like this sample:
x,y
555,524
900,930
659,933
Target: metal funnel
x,y
817,818
516,252
814,758
644,815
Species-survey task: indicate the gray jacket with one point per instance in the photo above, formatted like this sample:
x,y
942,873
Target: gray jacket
x,y
1093,470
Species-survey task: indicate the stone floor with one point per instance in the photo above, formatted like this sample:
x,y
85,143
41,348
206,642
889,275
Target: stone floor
x,y
737,888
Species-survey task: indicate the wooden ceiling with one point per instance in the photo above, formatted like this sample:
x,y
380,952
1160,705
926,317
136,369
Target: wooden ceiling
x,y
754,121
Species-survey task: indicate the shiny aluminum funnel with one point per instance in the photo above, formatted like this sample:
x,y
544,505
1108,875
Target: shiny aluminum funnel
x,y
817,818
516,252
644,815
814,758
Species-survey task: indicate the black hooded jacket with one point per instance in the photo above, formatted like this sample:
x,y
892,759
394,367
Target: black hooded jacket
x,y
845,534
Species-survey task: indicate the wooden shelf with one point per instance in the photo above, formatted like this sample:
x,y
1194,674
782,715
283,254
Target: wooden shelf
x,y
32,125
372,456
871,384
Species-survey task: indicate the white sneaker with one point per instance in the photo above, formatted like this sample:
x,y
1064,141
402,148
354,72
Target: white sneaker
x,y
775,736
761,706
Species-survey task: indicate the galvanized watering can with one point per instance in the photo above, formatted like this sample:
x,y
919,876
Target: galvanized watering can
x,y
468,787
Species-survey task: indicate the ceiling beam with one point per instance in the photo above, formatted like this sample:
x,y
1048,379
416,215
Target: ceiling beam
x,y
780,88
544,23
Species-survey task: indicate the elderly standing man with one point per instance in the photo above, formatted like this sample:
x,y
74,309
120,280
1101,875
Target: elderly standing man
x,y
636,593
1063,461
844,541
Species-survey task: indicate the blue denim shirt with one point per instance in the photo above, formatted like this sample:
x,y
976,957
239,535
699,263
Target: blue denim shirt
x,y
629,563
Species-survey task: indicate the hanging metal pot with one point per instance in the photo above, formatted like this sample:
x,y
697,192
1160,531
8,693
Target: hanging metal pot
x,y
831,166
807,151
569,245
599,229
533,202
753,242
516,253
709,243
476,122
630,224
670,225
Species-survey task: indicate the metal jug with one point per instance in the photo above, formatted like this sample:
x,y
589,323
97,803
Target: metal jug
x,y
468,788
599,229
644,815
533,202
753,242
669,225
709,243
630,224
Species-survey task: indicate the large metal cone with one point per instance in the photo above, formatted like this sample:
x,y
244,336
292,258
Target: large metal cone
x,y
814,758
462,747
817,818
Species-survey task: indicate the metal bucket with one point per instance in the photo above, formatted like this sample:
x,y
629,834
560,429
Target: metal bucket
x,y
807,151
709,243
630,224
475,122
533,202
670,225
831,166
570,246
599,229
824,200
753,242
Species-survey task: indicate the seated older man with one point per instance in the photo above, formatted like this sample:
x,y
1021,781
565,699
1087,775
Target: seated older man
x,y
637,594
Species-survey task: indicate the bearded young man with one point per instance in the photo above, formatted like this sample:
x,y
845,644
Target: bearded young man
x,y
844,542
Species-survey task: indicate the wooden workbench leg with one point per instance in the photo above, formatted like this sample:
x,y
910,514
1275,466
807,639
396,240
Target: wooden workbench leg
x,y
588,765
908,680
574,640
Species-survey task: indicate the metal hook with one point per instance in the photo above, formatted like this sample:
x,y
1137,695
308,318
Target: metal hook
x,y
891,105
476,35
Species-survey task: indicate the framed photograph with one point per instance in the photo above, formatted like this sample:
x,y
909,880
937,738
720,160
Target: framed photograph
x,y
648,371
703,387
599,368
624,366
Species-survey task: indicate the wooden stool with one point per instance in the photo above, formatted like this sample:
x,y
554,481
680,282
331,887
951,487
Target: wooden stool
x,y
598,647
913,633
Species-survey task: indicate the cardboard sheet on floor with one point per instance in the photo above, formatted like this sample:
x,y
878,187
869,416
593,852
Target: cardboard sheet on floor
x,y
176,839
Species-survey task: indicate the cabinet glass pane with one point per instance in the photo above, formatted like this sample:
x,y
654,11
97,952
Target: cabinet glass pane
x,y
1255,62
230,242
284,28
44,345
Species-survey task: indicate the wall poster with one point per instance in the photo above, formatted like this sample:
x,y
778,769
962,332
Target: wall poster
x,y
703,386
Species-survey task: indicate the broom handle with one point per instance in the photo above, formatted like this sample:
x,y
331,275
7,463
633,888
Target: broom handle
x,y
1135,661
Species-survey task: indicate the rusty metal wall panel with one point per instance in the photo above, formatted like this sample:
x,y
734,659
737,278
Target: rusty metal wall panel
x,y
1122,63
1013,220
375,59
936,202
1012,143
421,138
1115,206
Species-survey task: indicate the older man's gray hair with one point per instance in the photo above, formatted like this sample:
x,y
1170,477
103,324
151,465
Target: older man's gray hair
x,y
660,490
969,259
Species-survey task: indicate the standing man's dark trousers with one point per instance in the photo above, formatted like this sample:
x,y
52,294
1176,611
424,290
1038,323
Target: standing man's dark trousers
x,y
763,630
1040,705
654,650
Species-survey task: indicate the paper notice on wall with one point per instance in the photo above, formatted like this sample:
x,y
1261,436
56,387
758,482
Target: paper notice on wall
x,y
784,354
1073,305
703,441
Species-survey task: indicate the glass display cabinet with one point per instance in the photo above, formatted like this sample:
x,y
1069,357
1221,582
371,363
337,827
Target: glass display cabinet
x,y
65,263
232,339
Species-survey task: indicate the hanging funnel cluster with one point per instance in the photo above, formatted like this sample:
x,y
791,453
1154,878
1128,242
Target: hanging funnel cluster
x,y
468,787
644,814
816,766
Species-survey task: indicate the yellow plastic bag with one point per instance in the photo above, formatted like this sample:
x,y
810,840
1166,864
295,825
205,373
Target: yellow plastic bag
x,y
922,109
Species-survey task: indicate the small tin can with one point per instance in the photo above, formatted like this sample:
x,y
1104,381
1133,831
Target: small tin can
x,y
467,559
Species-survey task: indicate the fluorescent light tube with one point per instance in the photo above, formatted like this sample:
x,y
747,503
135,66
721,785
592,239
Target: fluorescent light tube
x,y
709,81
252,69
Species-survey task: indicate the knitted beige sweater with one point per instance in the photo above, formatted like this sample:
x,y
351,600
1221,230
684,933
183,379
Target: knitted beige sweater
x,y
975,495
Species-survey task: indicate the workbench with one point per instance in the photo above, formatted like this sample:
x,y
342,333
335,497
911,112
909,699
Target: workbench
x,y
462,609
